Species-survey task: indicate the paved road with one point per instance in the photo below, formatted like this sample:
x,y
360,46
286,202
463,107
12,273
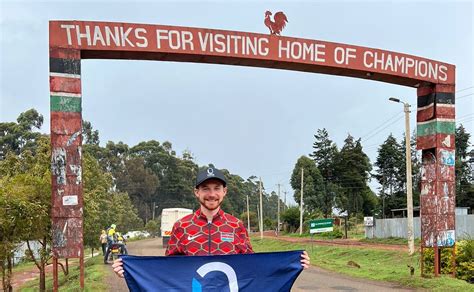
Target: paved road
x,y
312,279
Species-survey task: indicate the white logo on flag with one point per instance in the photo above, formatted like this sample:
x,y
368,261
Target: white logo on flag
x,y
219,267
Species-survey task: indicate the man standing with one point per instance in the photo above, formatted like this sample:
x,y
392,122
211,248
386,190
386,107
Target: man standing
x,y
209,231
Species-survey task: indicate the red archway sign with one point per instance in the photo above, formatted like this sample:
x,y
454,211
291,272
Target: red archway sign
x,y
72,41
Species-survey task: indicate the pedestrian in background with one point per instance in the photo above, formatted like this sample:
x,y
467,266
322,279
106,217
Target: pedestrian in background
x,y
103,241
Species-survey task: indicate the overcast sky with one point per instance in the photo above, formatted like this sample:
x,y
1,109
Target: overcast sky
x,y
252,121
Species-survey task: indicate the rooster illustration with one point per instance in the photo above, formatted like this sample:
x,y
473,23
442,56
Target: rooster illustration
x,y
278,25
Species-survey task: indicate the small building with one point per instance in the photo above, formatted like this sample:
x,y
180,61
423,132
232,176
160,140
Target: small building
x,y
402,213
463,210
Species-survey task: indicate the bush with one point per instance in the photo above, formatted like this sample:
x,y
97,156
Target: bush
x,y
336,233
464,263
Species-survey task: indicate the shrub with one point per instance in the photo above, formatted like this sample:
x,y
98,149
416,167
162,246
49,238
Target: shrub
x,y
464,263
336,233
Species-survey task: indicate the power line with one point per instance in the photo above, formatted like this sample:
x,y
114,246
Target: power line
x,y
462,117
464,89
374,134
381,125
460,97
465,121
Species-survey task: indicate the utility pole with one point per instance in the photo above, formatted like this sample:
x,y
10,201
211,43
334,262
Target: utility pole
x,y
301,202
411,239
285,197
261,209
383,198
248,215
258,216
278,211
154,211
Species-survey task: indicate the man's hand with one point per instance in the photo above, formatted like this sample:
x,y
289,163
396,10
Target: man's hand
x,y
305,260
118,267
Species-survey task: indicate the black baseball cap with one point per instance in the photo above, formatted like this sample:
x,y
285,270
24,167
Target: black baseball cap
x,y
209,173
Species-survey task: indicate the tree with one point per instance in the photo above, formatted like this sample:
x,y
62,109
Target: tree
x,y
237,191
324,155
26,192
313,184
15,219
352,170
464,171
253,220
98,210
176,175
19,136
102,205
152,227
90,136
140,183
390,165
291,217
126,215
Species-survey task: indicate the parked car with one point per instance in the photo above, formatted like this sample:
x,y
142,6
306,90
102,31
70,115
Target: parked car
x,y
137,234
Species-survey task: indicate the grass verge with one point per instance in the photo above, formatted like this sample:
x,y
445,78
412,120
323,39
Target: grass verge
x,y
389,240
95,273
379,265
24,266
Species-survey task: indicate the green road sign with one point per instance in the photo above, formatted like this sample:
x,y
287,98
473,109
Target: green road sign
x,y
320,225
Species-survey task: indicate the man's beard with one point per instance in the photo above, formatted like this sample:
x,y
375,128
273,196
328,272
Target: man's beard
x,y
210,208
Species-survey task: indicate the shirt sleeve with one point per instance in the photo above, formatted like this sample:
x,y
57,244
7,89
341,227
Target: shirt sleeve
x,y
244,237
174,248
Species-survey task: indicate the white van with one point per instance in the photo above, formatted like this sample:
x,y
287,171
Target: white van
x,y
168,217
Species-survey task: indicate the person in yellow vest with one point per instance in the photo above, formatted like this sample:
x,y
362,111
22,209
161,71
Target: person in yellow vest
x,y
110,241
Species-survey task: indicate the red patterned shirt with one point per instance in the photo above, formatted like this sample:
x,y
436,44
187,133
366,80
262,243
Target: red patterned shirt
x,y
194,235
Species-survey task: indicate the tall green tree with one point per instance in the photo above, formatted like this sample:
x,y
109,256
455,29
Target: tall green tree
x,y
140,183
390,165
464,169
176,175
103,205
98,210
16,137
352,172
324,155
313,195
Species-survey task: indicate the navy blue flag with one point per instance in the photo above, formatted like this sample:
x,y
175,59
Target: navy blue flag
x,y
274,271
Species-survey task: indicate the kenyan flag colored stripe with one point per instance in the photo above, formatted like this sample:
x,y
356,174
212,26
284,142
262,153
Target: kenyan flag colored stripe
x,y
445,141
446,111
64,53
68,66
64,84
439,97
62,103
436,126
425,113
